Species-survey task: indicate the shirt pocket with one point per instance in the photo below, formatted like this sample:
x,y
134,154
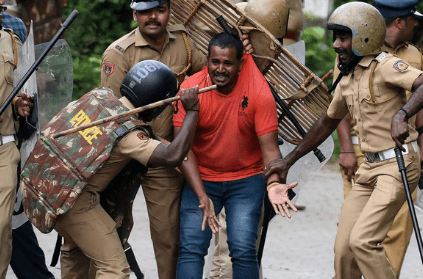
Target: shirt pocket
x,y
383,99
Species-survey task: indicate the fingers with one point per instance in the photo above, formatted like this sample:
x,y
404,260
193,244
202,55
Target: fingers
x,y
203,224
285,208
248,47
292,185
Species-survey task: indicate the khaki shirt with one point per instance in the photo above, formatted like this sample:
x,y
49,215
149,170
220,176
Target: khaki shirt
x,y
6,80
392,77
132,48
136,145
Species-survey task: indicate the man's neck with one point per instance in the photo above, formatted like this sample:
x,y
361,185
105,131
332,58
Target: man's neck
x,y
392,38
156,42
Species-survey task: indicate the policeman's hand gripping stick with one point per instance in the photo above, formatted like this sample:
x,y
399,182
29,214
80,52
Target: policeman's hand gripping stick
x,y
128,113
34,66
402,169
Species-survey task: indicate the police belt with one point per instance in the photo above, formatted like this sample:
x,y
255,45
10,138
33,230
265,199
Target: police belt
x,y
355,140
6,139
388,154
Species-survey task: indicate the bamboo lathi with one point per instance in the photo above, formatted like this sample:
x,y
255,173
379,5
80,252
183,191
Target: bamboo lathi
x,y
128,113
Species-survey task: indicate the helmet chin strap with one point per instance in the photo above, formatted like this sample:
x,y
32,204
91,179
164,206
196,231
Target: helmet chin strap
x,y
345,69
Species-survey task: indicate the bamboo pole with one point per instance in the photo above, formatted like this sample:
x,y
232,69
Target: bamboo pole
x,y
128,113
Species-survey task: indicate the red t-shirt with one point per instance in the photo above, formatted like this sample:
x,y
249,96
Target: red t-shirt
x,y
226,142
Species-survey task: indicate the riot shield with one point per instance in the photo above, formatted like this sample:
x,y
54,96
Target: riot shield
x,y
26,56
308,166
51,88
55,80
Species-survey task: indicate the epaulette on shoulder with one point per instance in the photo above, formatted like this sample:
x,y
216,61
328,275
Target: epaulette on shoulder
x,y
126,41
381,56
176,28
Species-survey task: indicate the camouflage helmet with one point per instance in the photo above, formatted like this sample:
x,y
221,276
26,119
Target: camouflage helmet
x,y
366,24
143,5
147,82
272,14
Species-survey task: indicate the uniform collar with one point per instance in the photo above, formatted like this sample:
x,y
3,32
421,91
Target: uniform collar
x,y
402,45
140,41
366,61
126,102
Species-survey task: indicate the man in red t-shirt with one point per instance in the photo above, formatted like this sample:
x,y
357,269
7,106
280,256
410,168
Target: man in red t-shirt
x,y
236,134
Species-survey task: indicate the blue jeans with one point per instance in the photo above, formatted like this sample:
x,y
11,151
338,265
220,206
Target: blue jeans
x,y
243,201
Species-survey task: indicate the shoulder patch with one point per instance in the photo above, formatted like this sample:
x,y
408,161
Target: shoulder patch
x,y
108,68
142,136
121,49
401,66
381,57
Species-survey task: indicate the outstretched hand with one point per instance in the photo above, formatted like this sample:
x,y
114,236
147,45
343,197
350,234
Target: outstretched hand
x,y
278,197
209,215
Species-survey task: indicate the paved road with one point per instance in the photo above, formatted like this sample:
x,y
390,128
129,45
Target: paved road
x,y
299,248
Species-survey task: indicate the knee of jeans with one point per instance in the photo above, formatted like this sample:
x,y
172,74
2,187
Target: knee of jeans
x,y
238,250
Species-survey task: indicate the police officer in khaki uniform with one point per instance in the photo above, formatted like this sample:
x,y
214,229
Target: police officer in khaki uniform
x,y
401,18
89,232
372,91
9,154
154,39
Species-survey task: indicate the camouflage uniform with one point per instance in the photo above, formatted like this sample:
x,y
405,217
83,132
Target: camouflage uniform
x,y
9,154
88,230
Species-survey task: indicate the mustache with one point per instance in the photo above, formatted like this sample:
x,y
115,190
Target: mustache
x,y
153,22
340,51
220,75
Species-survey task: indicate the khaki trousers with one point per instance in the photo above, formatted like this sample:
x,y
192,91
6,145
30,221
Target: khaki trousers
x,y
398,238
367,215
162,189
9,159
90,234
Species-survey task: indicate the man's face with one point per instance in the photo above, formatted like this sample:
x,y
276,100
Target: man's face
x,y
408,27
342,45
152,23
224,67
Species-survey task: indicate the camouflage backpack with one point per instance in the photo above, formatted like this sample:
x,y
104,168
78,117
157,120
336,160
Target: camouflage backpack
x,y
58,169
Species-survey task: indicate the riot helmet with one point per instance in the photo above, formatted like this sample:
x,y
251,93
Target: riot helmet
x,y
272,14
365,23
143,5
147,82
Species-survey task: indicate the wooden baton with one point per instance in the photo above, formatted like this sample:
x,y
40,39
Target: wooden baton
x,y
128,113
